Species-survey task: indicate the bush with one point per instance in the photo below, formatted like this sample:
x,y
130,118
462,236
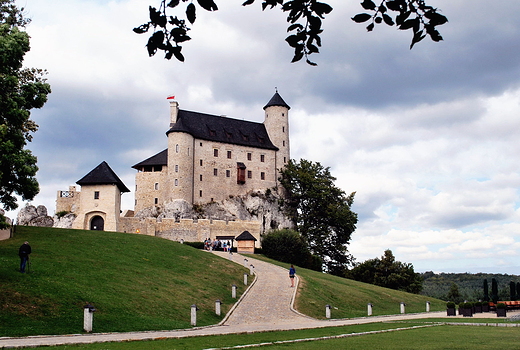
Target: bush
x,y
197,245
289,247
450,305
501,306
62,213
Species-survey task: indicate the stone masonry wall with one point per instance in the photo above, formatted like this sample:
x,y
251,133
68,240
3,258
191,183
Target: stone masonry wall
x,y
189,230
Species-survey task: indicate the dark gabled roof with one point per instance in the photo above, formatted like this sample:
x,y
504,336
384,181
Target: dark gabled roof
x,y
160,158
245,236
222,129
277,100
103,175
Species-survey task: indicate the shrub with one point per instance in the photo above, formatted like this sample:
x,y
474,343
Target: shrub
x,y
450,305
501,306
288,246
197,245
62,213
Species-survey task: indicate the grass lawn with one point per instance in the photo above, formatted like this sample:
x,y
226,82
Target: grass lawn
x,y
135,282
436,337
349,298
140,283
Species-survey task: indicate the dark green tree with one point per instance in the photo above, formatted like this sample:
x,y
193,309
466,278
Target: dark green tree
x,y
512,290
486,290
290,247
387,272
303,16
454,294
494,290
21,89
321,212
517,290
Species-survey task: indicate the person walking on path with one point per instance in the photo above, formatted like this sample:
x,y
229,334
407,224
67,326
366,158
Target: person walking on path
x,y
292,272
23,253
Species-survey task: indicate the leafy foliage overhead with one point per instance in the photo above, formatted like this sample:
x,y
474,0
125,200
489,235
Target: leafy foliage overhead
x,y
410,14
303,16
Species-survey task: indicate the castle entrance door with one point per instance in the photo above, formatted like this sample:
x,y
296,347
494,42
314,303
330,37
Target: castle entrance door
x,y
97,223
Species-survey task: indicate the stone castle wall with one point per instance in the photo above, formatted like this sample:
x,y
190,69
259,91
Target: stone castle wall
x,y
189,230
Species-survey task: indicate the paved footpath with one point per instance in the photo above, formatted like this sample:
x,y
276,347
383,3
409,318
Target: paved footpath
x,y
266,306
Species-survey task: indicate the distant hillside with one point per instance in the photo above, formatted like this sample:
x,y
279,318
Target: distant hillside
x,y
470,285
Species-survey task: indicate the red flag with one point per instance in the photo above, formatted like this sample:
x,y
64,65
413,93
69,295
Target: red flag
x,y
170,98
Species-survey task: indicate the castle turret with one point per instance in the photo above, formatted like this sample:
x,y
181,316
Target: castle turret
x,y
277,124
180,158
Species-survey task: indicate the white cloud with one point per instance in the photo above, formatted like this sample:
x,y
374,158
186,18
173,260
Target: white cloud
x,y
426,137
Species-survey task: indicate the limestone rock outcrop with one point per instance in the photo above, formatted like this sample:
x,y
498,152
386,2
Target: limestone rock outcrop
x,y
255,206
34,216
64,221
8,220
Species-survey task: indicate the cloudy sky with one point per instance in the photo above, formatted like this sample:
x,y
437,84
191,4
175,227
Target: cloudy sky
x,y
428,138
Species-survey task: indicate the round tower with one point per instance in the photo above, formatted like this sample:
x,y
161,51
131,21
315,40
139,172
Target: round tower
x,y
277,125
180,160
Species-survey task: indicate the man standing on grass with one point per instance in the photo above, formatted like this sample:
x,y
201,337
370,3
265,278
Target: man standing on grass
x,y
23,252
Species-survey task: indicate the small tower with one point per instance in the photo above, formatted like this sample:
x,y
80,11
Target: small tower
x,y
277,124
180,158
100,200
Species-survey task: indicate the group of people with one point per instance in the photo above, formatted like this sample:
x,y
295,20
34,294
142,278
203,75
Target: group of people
x,y
217,244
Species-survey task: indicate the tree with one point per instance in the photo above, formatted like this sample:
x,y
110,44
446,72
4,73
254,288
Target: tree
x,y
494,290
304,18
512,291
486,290
21,89
454,294
387,272
288,246
321,212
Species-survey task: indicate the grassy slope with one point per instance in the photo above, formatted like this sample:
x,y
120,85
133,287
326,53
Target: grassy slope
x,y
147,283
135,282
351,297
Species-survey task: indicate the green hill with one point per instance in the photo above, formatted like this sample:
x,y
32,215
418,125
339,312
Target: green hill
x,y
135,282
147,283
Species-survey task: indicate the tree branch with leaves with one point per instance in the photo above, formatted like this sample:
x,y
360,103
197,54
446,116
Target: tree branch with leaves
x,y
305,19
21,89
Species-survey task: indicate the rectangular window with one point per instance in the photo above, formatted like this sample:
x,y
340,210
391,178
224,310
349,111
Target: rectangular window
x,y
228,173
176,168
249,174
215,152
156,200
200,177
241,173
215,171
96,194
262,176
176,182
156,186
229,154
262,158
200,162
249,156
200,193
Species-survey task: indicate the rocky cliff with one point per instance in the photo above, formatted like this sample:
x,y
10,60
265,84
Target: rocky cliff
x,y
264,207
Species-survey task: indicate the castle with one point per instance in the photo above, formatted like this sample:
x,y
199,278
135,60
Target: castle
x,y
209,159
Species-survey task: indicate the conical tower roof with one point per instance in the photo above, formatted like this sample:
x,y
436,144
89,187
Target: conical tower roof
x,y
277,100
103,175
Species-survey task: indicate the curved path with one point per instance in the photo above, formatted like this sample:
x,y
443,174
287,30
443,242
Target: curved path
x,y
266,306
